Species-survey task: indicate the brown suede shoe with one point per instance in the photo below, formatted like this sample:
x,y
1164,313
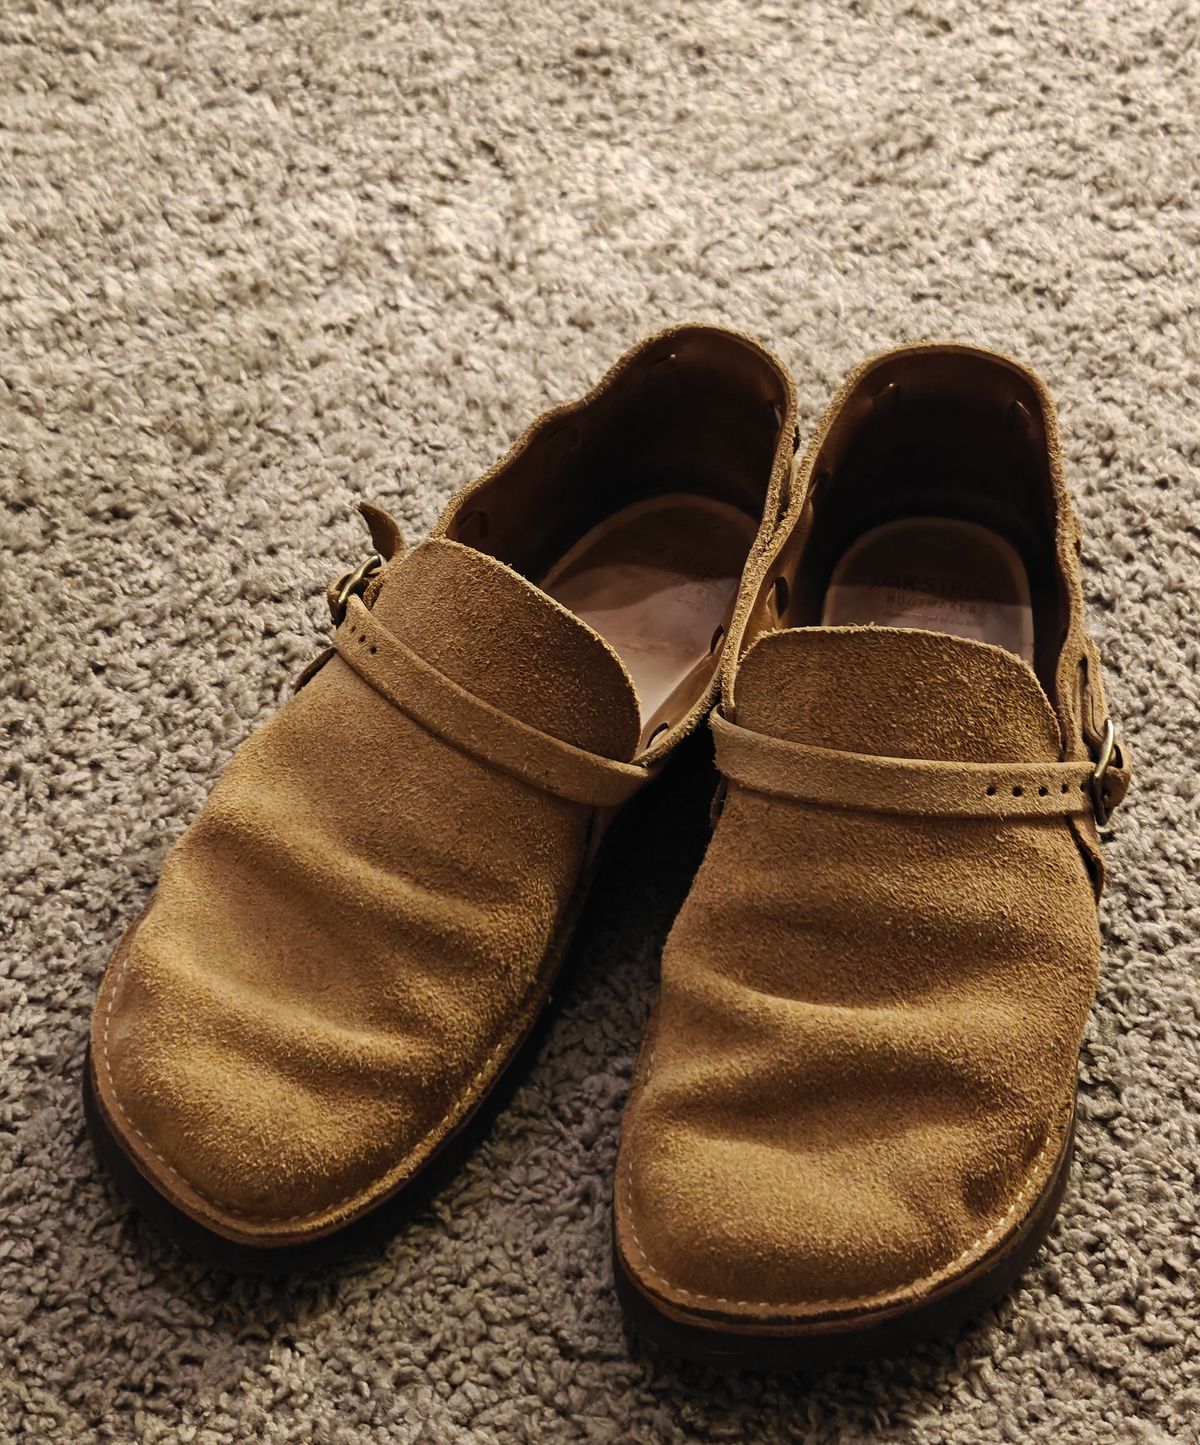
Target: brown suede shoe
x,y
851,1118
349,946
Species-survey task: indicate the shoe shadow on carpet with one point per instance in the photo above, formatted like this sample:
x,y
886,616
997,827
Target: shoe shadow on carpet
x,y
536,1192
609,969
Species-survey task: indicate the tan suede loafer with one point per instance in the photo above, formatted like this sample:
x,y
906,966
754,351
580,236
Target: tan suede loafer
x,y
851,1119
349,946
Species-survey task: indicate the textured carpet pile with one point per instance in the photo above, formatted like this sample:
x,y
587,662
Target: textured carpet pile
x,y
259,261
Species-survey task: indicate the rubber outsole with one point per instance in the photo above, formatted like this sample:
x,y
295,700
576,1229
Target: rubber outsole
x,y
679,811
367,1233
847,1339
374,1227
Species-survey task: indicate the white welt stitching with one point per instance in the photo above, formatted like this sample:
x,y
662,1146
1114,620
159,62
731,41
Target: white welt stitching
x,y
216,1203
808,1306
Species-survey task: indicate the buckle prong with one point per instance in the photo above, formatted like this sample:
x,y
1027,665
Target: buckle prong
x,y
1104,760
353,584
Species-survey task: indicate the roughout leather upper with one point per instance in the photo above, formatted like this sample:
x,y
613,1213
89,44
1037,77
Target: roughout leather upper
x,y
358,916
847,1085
860,1073
348,943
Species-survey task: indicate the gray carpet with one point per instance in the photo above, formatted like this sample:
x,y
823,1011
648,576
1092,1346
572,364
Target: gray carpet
x,y
260,260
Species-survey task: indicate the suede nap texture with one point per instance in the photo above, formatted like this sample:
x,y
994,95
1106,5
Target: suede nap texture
x,y
262,261
347,946
860,1074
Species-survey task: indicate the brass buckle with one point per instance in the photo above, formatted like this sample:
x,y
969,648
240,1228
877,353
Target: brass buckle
x,y
1109,750
353,584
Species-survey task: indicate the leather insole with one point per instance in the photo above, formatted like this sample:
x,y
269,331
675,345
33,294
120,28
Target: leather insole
x,y
657,580
937,574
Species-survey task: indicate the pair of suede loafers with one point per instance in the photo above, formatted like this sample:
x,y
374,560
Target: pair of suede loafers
x,y
852,1115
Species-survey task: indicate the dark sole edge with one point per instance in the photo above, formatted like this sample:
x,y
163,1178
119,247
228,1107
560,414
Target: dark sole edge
x,y
370,1231
364,1235
847,1340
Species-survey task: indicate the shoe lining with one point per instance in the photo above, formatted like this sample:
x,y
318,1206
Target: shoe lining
x,y
657,580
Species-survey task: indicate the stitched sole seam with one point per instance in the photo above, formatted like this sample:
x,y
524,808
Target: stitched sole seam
x,y
412,1158
865,1302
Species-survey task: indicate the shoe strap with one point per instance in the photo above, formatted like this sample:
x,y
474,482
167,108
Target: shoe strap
x,y
449,711
864,783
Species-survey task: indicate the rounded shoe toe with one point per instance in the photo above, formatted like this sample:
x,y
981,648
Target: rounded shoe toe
x,y
250,1142
753,1229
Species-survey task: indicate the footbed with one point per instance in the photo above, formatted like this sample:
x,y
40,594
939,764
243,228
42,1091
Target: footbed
x,y
657,580
938,574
